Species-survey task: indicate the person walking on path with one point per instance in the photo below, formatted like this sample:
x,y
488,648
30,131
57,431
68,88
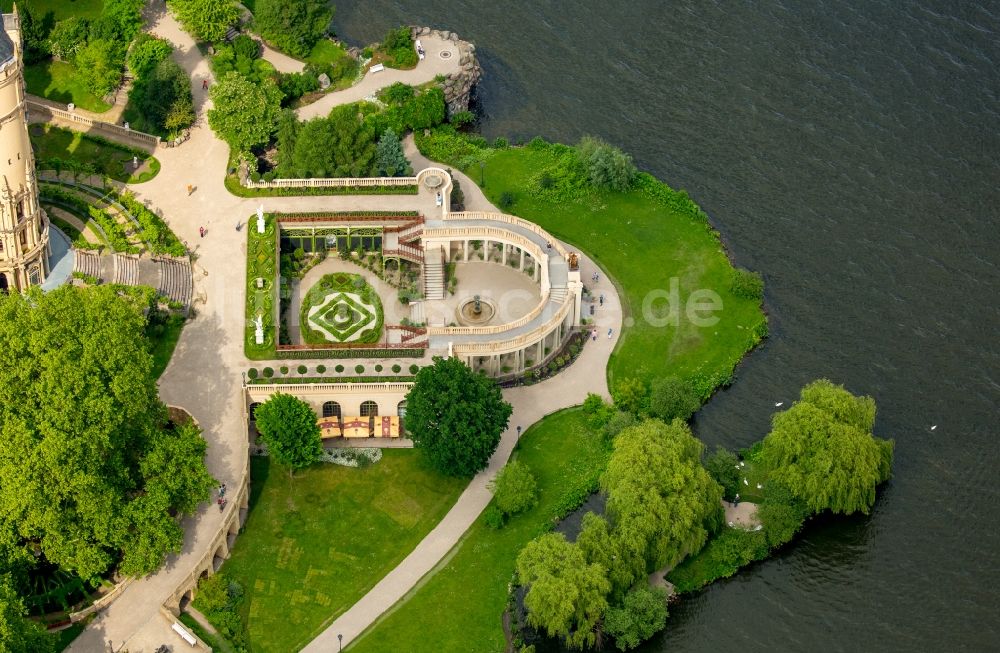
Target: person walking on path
x,y
201,231
204,84
609,333
190,189
602,299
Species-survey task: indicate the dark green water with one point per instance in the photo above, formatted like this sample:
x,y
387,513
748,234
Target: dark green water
x,y
849,150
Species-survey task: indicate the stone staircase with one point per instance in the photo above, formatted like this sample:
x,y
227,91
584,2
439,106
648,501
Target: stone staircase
x,y
175,280
126,269
434,273
557,295
417,312
88,263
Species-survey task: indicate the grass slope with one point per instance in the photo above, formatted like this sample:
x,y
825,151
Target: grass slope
x,y
313,545
644,245
459,607
107,158
58,80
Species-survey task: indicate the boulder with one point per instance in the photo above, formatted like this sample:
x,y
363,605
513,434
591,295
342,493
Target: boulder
x,y
324,82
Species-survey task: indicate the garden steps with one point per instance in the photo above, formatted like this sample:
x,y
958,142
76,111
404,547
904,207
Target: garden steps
x,y
88,263
175,281
434,273
126,269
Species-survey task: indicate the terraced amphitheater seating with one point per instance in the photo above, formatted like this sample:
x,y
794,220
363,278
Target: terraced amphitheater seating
x,y
175,280
126,267
88,263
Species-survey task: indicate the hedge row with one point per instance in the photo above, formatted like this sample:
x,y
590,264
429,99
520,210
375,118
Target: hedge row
x,y
349,353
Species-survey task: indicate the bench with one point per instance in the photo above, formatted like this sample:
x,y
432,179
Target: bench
x,y
185,635
377,68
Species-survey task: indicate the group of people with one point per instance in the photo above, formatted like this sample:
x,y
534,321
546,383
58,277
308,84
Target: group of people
x,y
222,497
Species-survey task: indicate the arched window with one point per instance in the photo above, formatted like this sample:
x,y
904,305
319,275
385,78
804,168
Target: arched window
x,y
401,408
253,411
369,409
331,409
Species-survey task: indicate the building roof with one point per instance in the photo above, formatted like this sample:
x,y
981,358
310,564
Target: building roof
x,y
6,47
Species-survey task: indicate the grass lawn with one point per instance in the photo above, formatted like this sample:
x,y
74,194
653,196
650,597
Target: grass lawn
x,y
59,9
325,52
108,159
459,607
313,545
57,80
66,636
163,342
643,245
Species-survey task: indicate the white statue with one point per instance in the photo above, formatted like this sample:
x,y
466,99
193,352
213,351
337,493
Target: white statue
x,y
260,219
259,329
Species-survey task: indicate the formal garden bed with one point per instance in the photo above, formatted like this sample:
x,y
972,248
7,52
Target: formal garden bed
x,y
327,537
341,308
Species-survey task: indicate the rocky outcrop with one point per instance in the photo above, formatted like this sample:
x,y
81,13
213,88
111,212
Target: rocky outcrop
x,y
458,85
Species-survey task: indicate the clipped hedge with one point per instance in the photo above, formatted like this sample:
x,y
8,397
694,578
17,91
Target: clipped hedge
x,y
348,353
233,186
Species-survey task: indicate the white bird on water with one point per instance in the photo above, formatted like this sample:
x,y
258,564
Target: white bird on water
x,y
933,427
779,404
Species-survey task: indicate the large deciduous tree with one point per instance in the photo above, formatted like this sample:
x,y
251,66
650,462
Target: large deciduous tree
x,y
288,427
642,613
206,20
293,26
90,473
244,114
824,451
662,502
455,416
567,596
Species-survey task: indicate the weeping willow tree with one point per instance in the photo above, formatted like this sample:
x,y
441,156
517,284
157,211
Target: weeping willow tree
x,y
824,450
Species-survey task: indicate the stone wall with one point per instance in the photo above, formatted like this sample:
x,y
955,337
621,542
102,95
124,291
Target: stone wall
x,y
458,86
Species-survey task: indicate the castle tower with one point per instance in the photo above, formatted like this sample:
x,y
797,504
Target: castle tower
x,y
24,227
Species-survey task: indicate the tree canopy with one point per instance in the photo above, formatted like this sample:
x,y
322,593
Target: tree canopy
x,y
90,473
567,596
391,160
643,613
288,427
207,20
662,502
671,398
606,165
293,26
823,449
455,416
244,114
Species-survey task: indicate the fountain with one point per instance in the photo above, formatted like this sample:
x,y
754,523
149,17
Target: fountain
x,y
475,311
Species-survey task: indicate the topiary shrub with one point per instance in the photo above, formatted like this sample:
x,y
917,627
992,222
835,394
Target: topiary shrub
x,y
268,372
302,369
378,368
321,369
359,369
339,368
396,368
414,368
253,373
284,369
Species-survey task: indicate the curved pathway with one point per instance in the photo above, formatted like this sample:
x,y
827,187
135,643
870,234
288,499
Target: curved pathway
x,y
204,373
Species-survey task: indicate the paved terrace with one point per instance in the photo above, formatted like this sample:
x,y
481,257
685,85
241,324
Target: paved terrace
x,y
204,373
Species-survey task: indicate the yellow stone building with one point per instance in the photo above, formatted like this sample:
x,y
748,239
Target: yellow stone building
x,y
24,226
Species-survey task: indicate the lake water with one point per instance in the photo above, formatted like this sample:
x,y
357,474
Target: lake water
x,y
848,150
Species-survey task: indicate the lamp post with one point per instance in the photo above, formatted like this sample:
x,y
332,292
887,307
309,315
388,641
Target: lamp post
x,y
340,641
482,174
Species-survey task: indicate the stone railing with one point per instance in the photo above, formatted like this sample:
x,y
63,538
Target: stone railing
x,y
263,389
109,128
491,330
518,342
335,182
510,219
